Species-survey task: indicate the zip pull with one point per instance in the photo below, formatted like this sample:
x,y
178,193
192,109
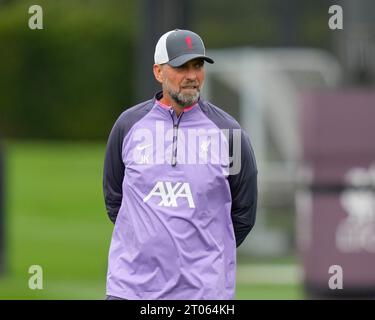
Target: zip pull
x,y
174,145
175,137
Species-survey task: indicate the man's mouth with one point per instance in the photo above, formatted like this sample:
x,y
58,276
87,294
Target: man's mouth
x,y
190,87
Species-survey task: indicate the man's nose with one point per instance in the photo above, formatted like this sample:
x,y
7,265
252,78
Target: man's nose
x,y
191,74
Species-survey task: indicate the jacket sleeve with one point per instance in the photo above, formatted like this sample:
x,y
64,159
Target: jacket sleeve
x,y
244,190
113,174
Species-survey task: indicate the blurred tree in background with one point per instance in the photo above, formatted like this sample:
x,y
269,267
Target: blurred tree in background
x,y
72,79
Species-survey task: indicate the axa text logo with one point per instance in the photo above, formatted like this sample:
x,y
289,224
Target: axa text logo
x,y
169,193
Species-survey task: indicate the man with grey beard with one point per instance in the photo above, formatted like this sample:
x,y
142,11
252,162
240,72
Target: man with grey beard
x,y
182,80
177,224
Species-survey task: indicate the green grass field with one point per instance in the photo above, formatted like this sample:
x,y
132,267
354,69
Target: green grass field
x,y
56,219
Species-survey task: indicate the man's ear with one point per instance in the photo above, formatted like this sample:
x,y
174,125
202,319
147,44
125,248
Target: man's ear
x,y
158,72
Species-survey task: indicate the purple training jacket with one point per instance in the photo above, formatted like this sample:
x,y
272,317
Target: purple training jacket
x,y
182,192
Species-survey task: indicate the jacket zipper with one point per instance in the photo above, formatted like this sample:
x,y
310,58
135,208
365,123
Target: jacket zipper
x,y
175,136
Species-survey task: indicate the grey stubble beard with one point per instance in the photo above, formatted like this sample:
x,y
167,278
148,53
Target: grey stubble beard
x,y
182,99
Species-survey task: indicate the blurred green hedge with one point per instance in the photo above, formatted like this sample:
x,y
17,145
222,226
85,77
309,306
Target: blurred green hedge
x,y
73,78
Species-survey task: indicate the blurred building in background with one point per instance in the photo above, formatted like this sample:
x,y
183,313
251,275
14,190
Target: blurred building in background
x,y
335,198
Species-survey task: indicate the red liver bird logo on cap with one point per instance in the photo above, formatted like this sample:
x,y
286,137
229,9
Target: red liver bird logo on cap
x,y
189,43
